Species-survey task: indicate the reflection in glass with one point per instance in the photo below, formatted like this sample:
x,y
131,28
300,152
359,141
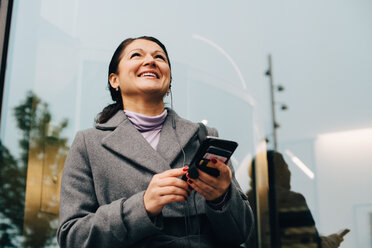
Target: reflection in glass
x,y
295,221
42,154
12,192
290,216
258,196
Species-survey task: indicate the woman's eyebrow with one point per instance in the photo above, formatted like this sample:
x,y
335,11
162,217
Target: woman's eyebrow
x,y
140,49
159,51
135,50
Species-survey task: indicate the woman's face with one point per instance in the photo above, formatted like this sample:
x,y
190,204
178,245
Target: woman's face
x,y
143,70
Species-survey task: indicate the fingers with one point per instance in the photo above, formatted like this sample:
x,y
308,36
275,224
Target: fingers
x,y
154,203
171,181
164,200
207,191
219,165
225,174
222,167
165,188
212,187
172,190
171,194
170,178
208,179
173,172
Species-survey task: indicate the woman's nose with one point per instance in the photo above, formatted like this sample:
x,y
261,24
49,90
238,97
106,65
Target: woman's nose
x,y
149,60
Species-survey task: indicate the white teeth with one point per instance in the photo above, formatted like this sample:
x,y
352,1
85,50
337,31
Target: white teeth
x,y
148,74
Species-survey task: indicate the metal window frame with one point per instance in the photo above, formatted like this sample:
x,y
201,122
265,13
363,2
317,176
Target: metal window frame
x,y
6,8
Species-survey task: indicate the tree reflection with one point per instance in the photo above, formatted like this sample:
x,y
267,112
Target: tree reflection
x,y
42,154
12,195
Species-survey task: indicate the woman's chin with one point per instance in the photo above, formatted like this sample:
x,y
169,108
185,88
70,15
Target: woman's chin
x,y
153,92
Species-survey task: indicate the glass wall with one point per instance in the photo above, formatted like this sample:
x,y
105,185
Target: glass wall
x,y
56,82
56,85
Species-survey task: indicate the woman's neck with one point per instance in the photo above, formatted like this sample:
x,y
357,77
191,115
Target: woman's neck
x,y
142,106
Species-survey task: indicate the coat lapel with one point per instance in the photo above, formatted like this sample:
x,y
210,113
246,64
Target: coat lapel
x,y
172,139
127,141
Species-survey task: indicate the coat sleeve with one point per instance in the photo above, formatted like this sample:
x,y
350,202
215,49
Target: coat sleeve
x,y
85,223
234,221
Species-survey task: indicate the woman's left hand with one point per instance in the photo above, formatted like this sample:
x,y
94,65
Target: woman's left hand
x,y
212,188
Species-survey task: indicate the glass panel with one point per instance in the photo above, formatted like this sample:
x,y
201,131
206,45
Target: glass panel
x,y
56,85
324,134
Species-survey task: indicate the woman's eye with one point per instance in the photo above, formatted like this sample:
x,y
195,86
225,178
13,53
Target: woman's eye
x,y
135,55
160,57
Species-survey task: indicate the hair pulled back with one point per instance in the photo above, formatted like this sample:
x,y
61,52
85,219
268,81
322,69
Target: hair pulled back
x,y
111,109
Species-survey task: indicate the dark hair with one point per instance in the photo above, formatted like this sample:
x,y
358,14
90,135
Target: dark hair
x,y
278,168
111,109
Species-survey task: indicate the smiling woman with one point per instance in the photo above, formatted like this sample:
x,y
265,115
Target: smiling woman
x,y
121,184
143,77
130,61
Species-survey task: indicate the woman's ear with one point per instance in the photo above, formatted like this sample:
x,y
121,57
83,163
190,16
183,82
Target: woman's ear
x,y
114,80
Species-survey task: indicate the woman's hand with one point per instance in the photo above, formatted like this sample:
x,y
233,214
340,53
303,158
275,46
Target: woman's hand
x,y
165,188
332,241
212,188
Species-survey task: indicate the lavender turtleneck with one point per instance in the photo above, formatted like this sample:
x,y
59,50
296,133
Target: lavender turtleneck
x,y
149,126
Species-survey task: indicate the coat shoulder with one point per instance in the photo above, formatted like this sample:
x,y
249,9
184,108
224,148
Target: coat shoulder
x,y
212,131
90,135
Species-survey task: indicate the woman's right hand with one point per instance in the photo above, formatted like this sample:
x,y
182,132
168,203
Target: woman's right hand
x,y
332,241
165,188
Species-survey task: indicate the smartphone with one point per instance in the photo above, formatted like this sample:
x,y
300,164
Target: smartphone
x,y
212,147
343,232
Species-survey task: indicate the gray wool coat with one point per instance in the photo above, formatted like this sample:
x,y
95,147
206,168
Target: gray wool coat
x,y
106,174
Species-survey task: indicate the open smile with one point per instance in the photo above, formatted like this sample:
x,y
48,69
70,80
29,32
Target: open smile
x,y
149,74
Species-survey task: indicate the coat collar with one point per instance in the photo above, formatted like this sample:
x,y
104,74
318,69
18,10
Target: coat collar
x,y
127,141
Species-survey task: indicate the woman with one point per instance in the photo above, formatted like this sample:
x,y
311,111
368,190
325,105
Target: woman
x,y
296,223
121,183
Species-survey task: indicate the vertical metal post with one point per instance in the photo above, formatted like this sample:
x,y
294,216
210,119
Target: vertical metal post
x,y
6,7
274,123
274,229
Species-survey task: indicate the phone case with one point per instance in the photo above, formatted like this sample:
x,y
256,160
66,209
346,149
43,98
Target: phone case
x,y
213,147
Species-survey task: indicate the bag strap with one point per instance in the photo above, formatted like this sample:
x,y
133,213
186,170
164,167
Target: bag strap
x,y
202,132
202,135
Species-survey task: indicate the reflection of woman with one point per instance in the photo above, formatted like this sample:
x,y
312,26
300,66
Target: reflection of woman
x,y
293,209
121,183
295,221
